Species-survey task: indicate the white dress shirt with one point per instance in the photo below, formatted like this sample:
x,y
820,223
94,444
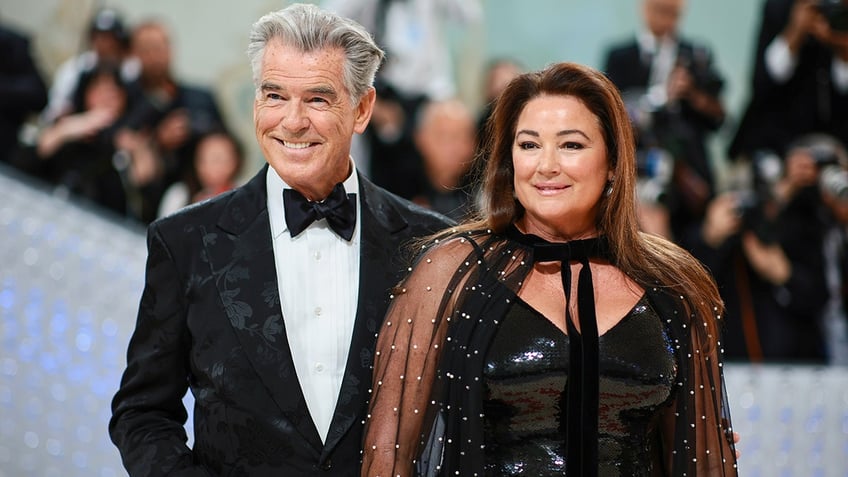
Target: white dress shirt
x,y
663,54
781,64
318,278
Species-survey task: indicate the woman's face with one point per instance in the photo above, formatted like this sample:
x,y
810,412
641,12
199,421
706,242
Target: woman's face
x,y
103,93
561,167
216,162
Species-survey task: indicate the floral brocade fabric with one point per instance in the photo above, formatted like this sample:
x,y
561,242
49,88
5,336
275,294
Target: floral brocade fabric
x,y
525,376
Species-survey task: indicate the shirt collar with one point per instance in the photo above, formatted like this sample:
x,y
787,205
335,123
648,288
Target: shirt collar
x,y
275,185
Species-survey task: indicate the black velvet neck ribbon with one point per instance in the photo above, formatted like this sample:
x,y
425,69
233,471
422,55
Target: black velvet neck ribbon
x,y
582,388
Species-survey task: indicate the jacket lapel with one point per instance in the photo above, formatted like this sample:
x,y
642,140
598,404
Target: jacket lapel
x,y
242,259
379,271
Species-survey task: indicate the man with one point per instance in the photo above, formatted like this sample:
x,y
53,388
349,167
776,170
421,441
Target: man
x,y
445,136
800,77
178,113
418,69
272,327
673,91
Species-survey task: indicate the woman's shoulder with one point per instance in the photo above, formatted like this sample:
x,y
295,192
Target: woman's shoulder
x,y
462,250
455,244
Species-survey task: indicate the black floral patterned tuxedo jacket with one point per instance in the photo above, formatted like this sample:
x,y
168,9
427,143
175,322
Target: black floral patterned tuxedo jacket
x,y
210,320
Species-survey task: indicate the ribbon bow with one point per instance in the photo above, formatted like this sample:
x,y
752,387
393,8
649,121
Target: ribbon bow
x,y
582,390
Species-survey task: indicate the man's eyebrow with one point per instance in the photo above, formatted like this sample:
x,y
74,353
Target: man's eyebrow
x,y
268,86
324,90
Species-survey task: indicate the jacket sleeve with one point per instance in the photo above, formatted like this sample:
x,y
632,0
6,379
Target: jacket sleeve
x,y
147,412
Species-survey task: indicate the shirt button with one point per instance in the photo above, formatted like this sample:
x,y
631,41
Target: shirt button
x,y
319,368
318,311
317,255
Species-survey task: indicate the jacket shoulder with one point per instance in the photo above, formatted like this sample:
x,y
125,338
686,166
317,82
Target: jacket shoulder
x,y
421,221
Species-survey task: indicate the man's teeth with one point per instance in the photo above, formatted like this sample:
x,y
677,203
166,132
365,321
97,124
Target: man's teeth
x,y
296,145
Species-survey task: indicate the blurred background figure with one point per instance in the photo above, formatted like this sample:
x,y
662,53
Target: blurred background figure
x,y
446,135
106,40
218,160
176,113
835,316
91,151
777,251
418,68
497,74
22,89
672,89
800,77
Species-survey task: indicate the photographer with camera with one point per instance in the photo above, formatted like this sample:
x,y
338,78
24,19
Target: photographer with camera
x,y
771,248
173,113
673,92
800,82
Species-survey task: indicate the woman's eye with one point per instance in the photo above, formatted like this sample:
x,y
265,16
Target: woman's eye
x,y
572,145
526,145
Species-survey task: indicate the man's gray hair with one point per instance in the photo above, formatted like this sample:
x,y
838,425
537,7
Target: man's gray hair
x,y
309,28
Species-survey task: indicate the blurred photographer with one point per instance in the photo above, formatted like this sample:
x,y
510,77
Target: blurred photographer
x,y
834,187
673,91
175,113
800,82
766,246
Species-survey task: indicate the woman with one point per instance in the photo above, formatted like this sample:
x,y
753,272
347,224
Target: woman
x,y
218,160
93,151
485,366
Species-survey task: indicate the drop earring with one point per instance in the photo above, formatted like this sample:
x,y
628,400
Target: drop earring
x,y
608,189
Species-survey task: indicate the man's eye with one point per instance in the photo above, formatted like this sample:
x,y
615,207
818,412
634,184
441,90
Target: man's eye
x,y
318,100
273,96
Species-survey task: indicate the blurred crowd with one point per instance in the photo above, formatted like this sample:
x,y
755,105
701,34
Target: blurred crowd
x,y
768,216
115,126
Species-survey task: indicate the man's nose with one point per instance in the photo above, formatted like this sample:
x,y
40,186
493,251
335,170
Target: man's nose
x,y
294,117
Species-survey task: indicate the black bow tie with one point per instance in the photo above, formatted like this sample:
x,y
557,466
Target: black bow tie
x,y
338,208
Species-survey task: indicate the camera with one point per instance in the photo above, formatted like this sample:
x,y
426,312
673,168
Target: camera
x,y
654,167
753,187
833,177
697,62
834,180
835,12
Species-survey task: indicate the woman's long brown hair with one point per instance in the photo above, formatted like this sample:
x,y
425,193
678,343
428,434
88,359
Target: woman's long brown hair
x,y
649,260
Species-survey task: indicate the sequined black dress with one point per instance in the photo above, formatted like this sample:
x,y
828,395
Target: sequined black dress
x,y
441,403
525,374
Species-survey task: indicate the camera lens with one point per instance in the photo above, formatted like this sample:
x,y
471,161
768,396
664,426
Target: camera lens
x,y
834,181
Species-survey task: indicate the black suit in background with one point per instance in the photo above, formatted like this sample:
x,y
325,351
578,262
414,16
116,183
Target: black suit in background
x,y
680,129
211,295
768,322
22,89
778,113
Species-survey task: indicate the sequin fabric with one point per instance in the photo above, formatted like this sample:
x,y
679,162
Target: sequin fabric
x,y
427,414
525,375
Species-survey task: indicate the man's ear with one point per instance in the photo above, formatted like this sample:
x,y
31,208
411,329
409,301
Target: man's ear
x,y
364,110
